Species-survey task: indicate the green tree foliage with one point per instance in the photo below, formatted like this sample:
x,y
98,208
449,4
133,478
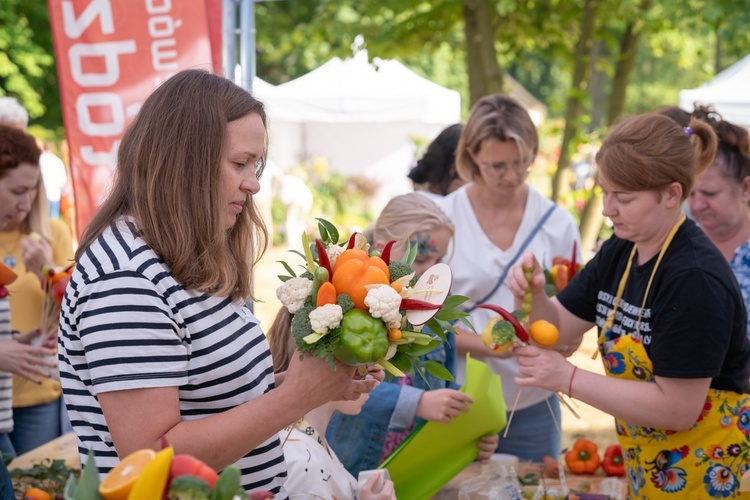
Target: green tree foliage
x,y
27,65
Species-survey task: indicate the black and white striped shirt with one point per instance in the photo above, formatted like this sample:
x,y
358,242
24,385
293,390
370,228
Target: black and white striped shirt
x,y
6,379
126,323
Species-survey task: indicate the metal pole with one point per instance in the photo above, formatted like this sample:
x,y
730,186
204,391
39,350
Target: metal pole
x,y
229,37
247,43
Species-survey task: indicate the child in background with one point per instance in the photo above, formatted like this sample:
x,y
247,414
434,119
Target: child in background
x,y
365,440
314,471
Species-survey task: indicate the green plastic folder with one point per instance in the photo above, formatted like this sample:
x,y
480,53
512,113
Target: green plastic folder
x,y
434,453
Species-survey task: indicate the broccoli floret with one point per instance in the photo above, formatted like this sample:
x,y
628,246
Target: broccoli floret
x,y
345,302
306,274
189,488
503,332
301,327
400,269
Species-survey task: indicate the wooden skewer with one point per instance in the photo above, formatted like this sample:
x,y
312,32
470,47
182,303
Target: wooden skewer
x,y
291,428
554,418
562,400
512,411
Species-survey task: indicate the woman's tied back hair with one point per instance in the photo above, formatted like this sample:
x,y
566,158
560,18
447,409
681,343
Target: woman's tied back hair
x,y
649,152
407,214
733,154
498,117
168,175
16,147
437,168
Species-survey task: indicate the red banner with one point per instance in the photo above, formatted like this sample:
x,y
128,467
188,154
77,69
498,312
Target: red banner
x,y
110,55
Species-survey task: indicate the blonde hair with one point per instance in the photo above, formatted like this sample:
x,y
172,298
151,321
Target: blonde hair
x,y
498,117
168,175
280,340
649,152
37,220
407,214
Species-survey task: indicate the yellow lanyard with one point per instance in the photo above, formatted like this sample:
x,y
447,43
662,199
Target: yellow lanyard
x,y
624,279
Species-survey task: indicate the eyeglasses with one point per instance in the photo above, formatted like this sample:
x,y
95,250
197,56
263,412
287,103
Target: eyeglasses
x,y
501,169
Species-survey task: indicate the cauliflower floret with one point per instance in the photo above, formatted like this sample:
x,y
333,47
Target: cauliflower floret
x,y
383,302
325,317
294,292
333,252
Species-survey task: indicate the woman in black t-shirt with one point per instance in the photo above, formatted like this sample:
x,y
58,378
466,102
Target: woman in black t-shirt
x,y
670,317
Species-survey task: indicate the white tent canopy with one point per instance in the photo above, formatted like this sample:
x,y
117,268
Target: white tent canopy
x,y
360,116
728,93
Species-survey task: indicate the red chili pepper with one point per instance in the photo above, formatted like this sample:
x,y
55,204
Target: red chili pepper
x,y
323,257
386,256
613,463
573,266
521,333
352,240
418,305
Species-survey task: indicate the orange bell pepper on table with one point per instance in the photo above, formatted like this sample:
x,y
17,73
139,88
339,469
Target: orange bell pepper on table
x,y
583,457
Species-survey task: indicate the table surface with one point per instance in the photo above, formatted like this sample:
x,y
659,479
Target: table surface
x,y
474,469
66,447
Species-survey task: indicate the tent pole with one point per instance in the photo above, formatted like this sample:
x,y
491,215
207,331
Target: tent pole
x,y
247,43
229,37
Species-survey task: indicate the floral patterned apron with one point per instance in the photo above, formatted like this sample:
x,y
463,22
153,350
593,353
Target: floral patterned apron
x,y
706,461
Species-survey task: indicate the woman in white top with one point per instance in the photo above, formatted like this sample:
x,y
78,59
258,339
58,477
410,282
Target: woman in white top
x,y
496,216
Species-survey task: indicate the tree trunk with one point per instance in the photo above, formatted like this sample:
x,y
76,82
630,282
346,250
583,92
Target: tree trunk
x,y
485,75
591,222
717,60
576,95
592,218
623,70
597,84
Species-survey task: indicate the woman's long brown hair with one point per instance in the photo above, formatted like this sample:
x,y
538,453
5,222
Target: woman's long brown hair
x,y
168,173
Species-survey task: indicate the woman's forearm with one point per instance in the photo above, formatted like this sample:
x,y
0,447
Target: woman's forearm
x,y
673,404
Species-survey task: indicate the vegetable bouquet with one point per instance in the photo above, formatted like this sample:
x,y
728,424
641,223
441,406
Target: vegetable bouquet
x,y
357,305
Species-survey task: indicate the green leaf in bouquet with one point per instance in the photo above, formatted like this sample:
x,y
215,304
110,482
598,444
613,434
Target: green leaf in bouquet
x,y
436,327
411,253
328,232
453,301
438,370
283,278
288,269
416,350
450,314
88,485
298,253
401,361
469,324
419,369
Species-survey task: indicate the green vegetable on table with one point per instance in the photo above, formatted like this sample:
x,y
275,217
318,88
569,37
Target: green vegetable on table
x,y
189,488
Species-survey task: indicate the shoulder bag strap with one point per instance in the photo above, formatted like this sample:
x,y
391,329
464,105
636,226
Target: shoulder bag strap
x,y
515,257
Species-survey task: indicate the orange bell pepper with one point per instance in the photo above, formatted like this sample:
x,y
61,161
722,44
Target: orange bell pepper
x,y
354,270
583,457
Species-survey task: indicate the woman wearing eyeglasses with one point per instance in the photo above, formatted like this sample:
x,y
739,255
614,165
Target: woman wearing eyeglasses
x,y
496,216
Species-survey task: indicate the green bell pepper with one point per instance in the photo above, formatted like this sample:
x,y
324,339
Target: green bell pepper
x,y
363,339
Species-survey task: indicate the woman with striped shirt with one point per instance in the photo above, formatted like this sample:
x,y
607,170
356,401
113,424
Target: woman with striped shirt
x,y
155,339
